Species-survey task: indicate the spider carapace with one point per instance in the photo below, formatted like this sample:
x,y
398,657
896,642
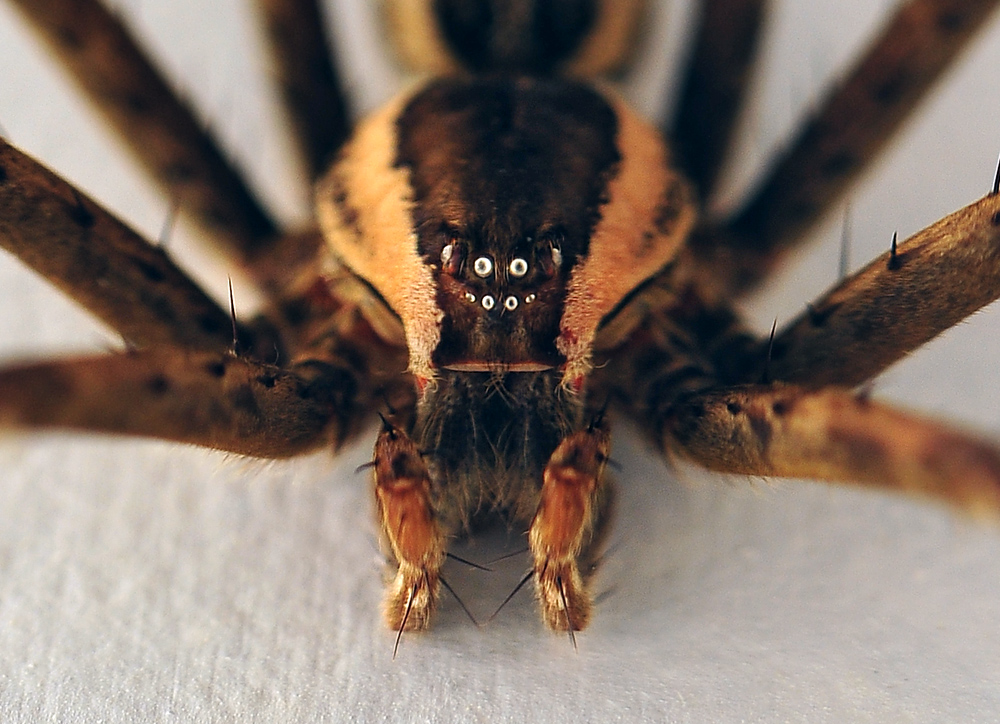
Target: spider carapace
x,y
506,249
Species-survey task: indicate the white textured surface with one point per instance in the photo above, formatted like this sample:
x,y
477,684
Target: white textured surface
x,y
141,581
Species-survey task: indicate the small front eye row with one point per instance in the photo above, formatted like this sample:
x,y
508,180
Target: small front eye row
x,y
488,302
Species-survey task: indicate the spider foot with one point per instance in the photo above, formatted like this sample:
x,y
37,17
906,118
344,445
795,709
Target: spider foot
x,y
563,596
410,600
403,497
564,524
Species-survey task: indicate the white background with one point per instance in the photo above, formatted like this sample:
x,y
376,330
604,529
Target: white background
x,y
143,581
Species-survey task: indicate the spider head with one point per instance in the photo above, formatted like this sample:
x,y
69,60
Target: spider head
x,y
501,302
503,218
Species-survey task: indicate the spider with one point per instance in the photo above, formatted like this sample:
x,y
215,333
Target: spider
x,y
493,353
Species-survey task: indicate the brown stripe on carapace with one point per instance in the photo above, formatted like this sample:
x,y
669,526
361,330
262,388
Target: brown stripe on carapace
x,y
505,169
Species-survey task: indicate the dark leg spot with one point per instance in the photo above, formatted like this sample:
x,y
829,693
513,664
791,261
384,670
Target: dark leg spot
x,y
216,369
135,103
892,90
158,385
151,271
951,22
70,38
820,316
79,213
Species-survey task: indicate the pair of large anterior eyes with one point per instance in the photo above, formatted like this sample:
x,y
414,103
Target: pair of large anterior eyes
x,y
484,266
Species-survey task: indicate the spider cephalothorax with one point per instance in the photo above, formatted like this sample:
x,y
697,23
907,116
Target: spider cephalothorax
x,y
504,252
483,210
513,195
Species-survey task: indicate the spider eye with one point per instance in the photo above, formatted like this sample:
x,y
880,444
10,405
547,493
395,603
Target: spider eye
x,y
510,303
483,266
548,254
488,302
453,256
518,267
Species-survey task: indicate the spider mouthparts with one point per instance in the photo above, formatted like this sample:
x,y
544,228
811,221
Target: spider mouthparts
x,y
476,366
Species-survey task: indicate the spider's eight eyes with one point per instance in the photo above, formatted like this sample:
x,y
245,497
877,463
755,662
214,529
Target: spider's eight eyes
x,y
483,266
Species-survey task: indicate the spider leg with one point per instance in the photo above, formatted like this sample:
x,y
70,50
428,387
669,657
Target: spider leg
x,y
832,435
676,376
339,371
848,130
904,298
211,399
202,394
312,92
162,131
713,88
89,254
185,384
